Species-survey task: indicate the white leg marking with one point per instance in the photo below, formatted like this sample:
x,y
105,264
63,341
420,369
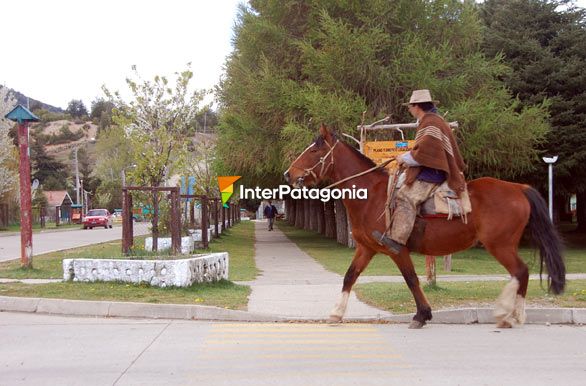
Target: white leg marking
x,y
519,313
340,308
505,304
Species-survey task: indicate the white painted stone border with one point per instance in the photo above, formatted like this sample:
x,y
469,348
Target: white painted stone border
x,y
196,234
161,273
164,243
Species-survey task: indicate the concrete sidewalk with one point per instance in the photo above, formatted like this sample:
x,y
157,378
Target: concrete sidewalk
x,y
293,285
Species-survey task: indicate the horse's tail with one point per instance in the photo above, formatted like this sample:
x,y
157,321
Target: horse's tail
x,y
548,241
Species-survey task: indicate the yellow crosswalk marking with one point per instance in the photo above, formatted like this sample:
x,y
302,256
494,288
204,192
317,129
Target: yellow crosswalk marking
x,y
301,350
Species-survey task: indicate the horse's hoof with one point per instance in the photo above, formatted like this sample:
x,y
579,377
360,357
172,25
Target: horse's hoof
x,y
416,325
504,324
335,319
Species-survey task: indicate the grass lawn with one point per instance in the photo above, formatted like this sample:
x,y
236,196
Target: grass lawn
x,y
238,241
37,227
474,261
396,297
221,294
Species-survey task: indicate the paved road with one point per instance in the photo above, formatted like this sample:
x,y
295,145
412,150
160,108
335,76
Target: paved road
x,y
41,350
51,241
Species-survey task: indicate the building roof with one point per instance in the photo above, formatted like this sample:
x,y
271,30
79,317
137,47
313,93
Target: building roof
x,y
58,197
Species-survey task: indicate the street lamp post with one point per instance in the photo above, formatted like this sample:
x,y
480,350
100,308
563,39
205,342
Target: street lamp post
x,y
550,161
23,116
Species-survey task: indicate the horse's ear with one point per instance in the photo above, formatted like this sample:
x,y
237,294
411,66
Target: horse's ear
x,y
325,132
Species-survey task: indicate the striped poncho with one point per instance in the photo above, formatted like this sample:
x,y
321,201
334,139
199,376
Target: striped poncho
x,y
436,148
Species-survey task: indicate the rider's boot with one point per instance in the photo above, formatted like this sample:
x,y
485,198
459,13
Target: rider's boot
x,y
391,244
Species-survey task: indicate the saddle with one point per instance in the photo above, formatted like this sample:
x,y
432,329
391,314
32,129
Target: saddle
x,y
443,203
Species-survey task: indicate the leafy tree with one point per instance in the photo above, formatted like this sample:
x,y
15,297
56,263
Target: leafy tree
x,y
101,113
8,152
206,120
197,159
299,63
154,122
113,154
544,42
85,166
51,173
109,195
76,109
39,198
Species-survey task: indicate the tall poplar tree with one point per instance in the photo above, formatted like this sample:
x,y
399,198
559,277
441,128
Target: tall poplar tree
x,y
298,63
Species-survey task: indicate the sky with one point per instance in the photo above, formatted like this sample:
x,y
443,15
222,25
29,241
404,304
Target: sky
x,y
70,48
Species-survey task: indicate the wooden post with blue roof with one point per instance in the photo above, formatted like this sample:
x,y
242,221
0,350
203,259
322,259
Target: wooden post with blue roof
x,y
23,116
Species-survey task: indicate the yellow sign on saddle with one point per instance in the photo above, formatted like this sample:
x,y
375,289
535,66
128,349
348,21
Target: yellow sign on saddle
x,y
381,151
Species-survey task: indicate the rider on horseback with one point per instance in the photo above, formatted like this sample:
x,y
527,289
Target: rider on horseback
x,y
434,159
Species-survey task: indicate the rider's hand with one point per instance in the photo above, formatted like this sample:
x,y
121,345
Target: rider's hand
x,y
400,161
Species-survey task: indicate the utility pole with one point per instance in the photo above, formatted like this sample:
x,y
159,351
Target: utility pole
x,y
77,191
205,121
76,176
23,116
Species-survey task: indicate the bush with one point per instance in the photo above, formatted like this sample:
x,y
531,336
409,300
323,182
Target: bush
x,y
47,116
65,135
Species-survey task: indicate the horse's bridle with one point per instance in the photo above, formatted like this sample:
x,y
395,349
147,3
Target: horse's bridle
x,y
322,162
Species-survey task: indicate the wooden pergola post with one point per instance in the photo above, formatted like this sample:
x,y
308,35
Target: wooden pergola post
x,y
204,221
223,217
175,221
430,269
126,222
216,231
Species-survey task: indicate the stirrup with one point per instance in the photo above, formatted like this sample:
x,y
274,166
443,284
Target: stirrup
x,y
391,244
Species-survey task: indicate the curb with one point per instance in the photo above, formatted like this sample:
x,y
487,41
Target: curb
x,y
576,316
128,310
545,316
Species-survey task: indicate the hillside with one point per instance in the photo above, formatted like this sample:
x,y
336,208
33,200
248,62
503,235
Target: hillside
x,y
82,133
33,103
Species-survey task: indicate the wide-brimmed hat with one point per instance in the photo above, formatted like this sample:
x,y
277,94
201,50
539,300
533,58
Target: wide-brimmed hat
x,y
420,96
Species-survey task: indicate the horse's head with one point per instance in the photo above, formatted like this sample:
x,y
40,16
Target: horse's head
x,y
316,162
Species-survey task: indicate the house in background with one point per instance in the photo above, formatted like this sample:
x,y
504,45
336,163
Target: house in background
x,y
58,205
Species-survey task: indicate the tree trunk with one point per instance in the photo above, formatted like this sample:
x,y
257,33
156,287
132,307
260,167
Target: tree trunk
x,y
290,210
306,214
321,222
313,214
562,209
299,214
330,219
581,211
341,223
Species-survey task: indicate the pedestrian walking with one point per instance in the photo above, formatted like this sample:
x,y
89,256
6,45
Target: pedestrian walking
x,y
270,212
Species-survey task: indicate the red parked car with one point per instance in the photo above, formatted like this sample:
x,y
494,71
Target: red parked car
x,y
97,218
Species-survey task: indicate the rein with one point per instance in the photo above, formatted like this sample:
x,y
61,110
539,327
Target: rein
x,y
324,168
361,173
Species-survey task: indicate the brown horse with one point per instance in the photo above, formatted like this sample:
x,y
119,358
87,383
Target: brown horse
x,y
500,212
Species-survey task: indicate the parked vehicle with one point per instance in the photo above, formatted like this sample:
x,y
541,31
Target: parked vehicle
x,y
97,218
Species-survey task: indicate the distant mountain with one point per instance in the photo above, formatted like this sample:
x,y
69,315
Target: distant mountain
x,y
33,103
